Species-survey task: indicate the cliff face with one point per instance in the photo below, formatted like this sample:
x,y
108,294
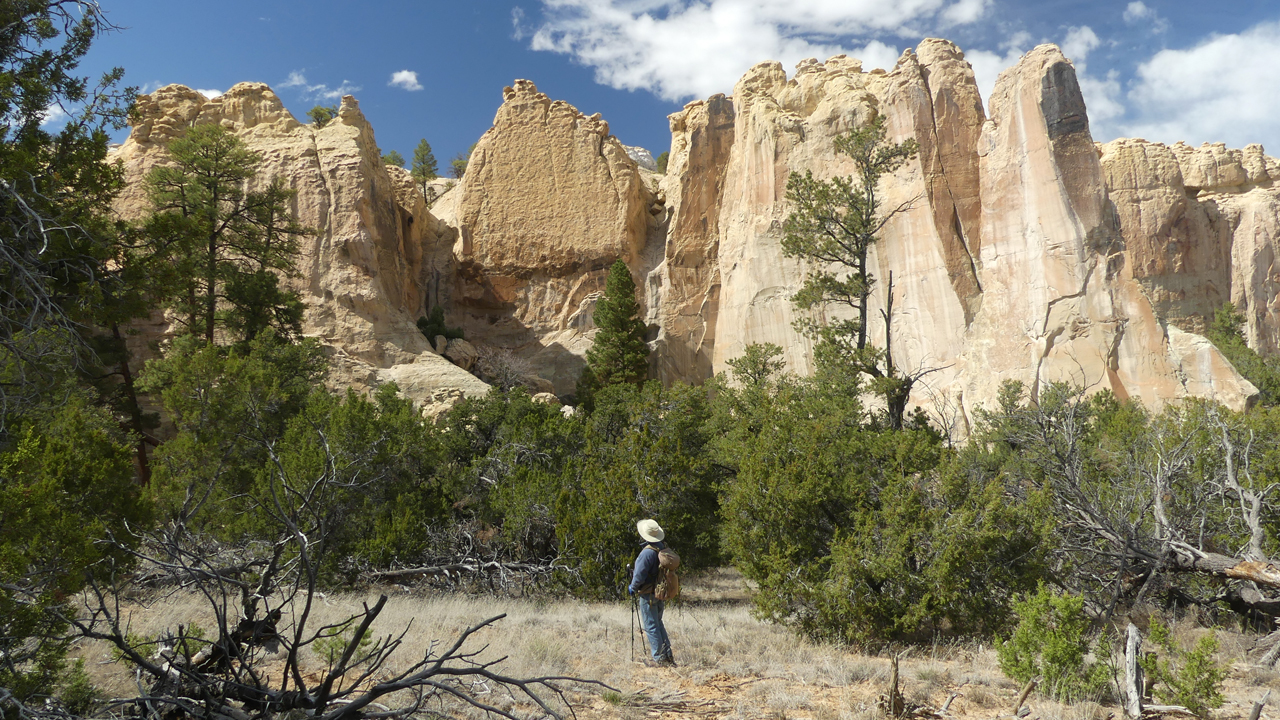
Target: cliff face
x,y
1023,251
376,256
549,201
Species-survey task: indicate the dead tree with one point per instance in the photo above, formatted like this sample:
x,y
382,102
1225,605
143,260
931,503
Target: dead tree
x,y
262,596
1150,508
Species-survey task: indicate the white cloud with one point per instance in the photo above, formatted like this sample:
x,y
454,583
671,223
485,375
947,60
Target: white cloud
x,y
406,80
988,65
1138,12
1078,43
694,48
211,94
297,79
1101,95
1219,90
53,115
965,11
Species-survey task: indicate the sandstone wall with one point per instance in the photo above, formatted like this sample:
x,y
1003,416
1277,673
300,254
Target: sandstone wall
x,y
549,201
374,258
1021,250
1012,257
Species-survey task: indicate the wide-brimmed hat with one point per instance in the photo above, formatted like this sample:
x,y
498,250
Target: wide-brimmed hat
x,y
650,530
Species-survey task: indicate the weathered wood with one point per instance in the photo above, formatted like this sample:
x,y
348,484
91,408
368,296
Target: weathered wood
x,y
459,568
1256,712
1158,711
896,703
1022,696
1132,689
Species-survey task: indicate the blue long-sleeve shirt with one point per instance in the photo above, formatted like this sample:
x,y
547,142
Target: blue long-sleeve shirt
x,y
646,571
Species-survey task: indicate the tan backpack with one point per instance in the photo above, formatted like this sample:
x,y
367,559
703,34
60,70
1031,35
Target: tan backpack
x,y
667,586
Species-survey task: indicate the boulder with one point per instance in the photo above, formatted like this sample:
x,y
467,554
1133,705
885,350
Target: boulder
x,y
461,353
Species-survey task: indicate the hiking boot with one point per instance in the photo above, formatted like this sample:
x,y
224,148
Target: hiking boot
x,y
668,661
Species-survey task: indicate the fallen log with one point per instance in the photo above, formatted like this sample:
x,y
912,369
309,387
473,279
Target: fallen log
x,y
459,568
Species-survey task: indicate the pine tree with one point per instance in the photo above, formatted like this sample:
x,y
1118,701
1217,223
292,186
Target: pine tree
x,y
424,165
393,158
833,224
227,243
619,353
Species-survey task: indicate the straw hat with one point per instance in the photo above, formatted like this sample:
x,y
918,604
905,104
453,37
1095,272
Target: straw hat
x,y
650,530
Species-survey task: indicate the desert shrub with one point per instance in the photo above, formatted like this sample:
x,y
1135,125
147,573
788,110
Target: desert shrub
x,y
1052,640
78,693
854,533
332,642
645,455
433,325
1190,678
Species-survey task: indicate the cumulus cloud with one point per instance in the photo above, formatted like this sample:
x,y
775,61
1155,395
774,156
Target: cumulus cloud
x,y
987,64
694,48
211,94
53,115
321,91
405,80
1218,90
1138,13
1101,94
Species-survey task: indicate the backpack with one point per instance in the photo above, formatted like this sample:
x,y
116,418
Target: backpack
x,y
667,584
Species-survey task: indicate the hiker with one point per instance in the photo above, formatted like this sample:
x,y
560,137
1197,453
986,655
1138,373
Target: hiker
x,y
643,582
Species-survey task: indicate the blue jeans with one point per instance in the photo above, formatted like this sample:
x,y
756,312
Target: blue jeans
x,y
651,619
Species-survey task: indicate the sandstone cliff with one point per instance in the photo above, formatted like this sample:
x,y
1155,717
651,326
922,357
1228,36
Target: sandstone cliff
x,y
375,260
549,201
1025,251
1012,261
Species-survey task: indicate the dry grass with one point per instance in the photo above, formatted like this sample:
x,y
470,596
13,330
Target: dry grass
x,y
731,665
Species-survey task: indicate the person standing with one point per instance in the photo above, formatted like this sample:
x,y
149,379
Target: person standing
x,y
642,585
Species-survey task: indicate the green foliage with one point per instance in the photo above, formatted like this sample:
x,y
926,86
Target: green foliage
x,y
78,694
573,488
1227,333
853,533
424,167
321,115
644,456
433,325
333,641
66,486
662,159
1052,641
1190,678
251,423
56,189
458,166
393,158
225,245
619,353
833,223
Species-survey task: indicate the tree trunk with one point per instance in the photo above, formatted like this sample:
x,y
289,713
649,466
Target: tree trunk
x,y
142,466
1132,690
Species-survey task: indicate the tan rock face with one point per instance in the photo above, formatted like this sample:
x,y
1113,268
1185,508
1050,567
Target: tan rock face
x,y
1022,251
684,290
1011,260
374,258
549,201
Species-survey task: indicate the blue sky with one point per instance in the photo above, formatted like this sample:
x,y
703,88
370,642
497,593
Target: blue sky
x,y
1197,71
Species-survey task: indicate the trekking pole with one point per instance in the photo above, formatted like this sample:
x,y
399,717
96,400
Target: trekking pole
x,y
633,620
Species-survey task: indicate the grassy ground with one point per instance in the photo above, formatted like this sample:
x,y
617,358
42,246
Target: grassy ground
x,y
731,666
